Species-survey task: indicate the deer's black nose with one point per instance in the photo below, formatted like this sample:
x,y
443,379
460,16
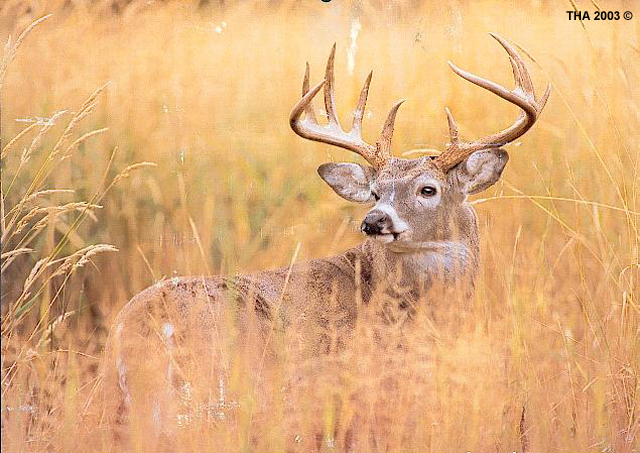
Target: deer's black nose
x,y
375,222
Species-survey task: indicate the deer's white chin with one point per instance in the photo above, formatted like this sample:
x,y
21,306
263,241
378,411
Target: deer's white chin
x,y
385,238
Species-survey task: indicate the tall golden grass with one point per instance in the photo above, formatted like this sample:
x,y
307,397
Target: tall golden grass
x,y
544,358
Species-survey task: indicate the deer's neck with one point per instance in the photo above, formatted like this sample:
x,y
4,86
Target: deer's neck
x,y
451,261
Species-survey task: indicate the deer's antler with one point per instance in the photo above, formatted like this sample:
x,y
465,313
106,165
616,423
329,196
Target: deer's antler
x,y
333,133
523,96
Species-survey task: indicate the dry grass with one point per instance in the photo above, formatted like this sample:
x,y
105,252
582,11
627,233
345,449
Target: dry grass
x,y
545,358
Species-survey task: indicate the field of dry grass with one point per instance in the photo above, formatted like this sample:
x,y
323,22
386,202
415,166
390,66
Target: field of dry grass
x,y
163,129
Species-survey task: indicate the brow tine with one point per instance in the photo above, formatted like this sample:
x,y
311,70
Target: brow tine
x,y
453,127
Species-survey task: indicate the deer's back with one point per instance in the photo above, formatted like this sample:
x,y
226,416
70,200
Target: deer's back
x,y
198,315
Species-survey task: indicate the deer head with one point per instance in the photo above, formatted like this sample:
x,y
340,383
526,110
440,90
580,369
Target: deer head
x,y
415,201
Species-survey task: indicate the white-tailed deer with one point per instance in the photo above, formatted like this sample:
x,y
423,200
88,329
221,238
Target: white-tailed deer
x,y
421,234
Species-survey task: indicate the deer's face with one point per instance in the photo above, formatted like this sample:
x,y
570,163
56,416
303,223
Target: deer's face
x,y
414,201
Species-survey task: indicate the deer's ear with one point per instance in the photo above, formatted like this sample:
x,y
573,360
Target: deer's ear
x,y
351,181
480,170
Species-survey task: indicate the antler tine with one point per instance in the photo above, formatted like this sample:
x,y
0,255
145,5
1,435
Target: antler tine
x,y
453,127
520,73
362,102
522,76
329,92
384,143
308,110
333,133
511,96
523,96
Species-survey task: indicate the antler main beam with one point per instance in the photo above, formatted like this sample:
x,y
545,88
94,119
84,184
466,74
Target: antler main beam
x,y
332,133
523,96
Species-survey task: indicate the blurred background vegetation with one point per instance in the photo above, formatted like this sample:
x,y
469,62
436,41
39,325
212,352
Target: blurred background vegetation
x,y
203,89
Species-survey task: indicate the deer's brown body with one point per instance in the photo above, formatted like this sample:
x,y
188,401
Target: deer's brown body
x,y
422,242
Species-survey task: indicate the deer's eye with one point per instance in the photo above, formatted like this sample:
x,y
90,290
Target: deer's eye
x,y
428,191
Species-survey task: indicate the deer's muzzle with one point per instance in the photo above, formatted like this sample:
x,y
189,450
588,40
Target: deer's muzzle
x,y
376,222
